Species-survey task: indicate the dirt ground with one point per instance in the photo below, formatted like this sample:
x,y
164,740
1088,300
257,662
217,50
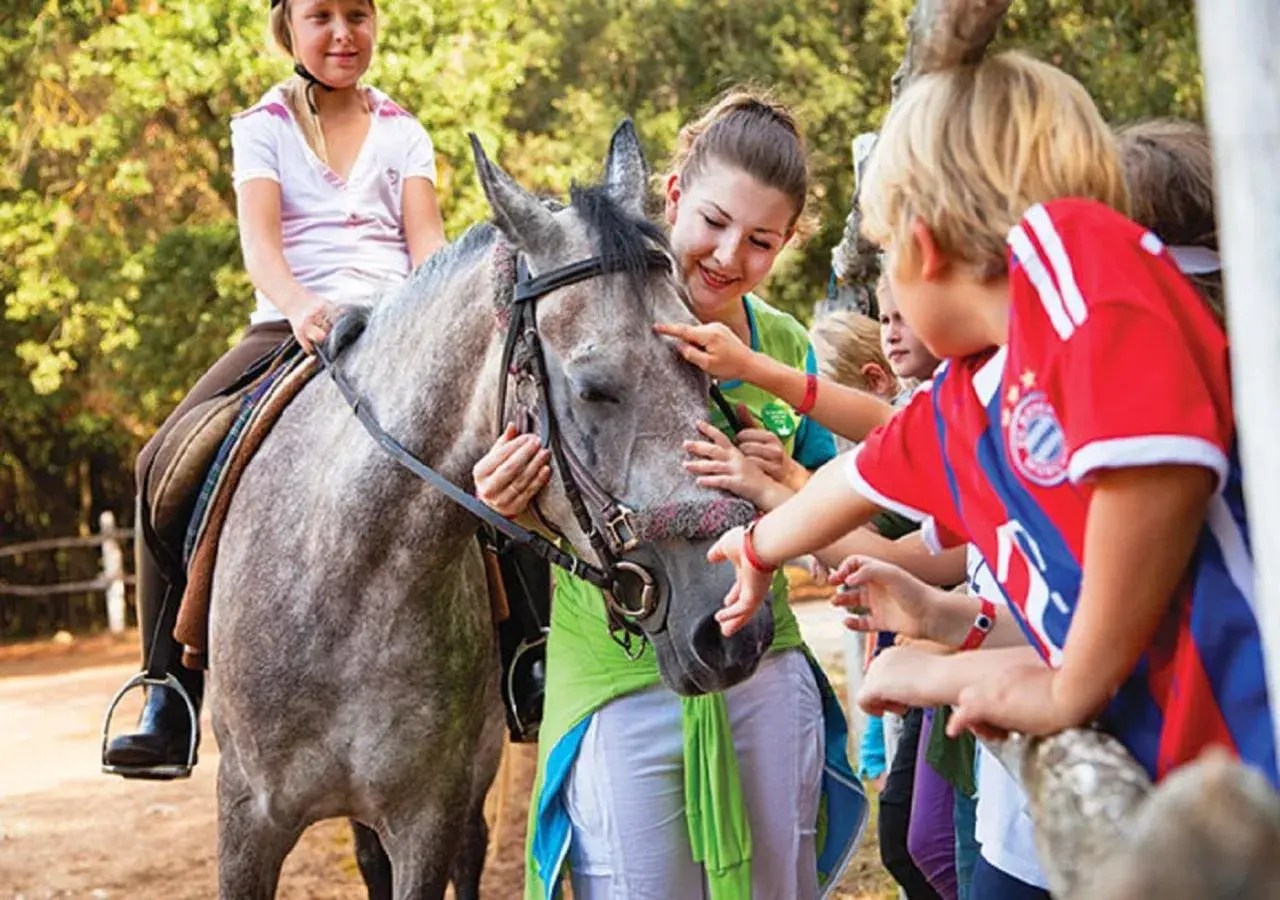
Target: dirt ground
x,y
68,831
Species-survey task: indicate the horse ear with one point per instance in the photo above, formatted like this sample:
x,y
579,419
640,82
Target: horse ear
x,y
521,216
625,171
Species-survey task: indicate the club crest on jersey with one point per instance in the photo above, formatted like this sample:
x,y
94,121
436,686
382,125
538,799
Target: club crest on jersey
x,y
1037,445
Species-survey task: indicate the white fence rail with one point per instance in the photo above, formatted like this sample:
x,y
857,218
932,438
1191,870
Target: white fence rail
x,y
111,579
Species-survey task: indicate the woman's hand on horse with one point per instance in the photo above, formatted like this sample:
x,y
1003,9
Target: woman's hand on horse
x,y
712,347
312,320
882,597
749,589
512,473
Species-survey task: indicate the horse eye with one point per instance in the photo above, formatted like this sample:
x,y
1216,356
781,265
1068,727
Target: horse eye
x,y
592,382
597,394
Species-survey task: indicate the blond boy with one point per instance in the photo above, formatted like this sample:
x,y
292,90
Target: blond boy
x,y
1080,434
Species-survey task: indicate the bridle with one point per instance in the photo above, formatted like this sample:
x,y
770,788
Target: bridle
x,y
634,604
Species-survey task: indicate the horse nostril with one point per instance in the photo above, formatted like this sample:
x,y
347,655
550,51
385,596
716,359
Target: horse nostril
x,y
709,643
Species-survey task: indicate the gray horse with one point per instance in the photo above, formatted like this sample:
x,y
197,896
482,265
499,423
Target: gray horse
x,y
352,650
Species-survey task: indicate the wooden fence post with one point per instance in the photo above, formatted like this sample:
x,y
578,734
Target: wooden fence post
x,y
1238,52
113,571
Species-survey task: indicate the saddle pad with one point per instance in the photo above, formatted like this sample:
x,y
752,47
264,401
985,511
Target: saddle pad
x,y
181,465
261,410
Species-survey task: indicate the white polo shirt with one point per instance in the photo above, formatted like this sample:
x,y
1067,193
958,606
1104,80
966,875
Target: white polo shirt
x,y
344,240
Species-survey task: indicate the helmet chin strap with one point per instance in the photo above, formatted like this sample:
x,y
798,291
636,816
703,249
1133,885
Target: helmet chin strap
x,y
301,71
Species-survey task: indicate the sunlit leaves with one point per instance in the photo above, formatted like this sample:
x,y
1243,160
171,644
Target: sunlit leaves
x,y
119,259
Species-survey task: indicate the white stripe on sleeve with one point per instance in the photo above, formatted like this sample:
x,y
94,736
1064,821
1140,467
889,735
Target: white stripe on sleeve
x,y
1051,241
1039,276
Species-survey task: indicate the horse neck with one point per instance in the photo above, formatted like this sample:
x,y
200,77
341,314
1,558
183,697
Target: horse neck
x,y
428,364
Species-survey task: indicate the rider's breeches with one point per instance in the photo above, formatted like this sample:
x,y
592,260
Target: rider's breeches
x,y
625,794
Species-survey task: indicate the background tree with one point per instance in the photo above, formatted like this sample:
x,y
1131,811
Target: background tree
x,y
119,256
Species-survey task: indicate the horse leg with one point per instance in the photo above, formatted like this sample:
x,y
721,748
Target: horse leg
x,y
422,851
473,847
469,862
375,865
251,847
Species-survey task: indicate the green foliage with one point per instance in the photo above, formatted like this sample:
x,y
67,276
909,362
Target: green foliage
x,y
119,258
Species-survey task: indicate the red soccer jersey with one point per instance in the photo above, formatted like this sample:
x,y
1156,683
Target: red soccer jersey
x,y
1113,361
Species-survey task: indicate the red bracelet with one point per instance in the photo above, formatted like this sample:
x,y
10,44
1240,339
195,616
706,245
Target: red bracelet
x,y
983,622
810,395
749,550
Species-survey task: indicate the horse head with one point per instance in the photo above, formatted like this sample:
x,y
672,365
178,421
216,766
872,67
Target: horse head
x,y
615,403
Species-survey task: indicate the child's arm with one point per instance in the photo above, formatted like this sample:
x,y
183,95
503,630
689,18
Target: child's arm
x,y
715,349
262,245
1141,531
902,677
826,508
900,467
423,227
909,553
883,597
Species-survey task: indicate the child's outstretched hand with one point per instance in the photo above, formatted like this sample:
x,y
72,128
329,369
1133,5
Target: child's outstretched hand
x,y
765,449
713,348
889,685
881,597
1022,698
721,465
749,589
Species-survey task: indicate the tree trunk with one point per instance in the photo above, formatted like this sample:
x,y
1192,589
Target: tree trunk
x,y
940,34
1211,829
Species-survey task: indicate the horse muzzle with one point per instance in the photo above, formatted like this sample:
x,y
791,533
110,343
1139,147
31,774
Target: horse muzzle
x,y
672,598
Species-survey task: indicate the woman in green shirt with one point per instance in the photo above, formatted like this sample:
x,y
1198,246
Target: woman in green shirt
x,y
746,793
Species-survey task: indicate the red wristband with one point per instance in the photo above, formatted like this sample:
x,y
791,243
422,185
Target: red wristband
x,y
810,395
983,622
749,550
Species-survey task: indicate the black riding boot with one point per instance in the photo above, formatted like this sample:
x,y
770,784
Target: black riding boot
x,y
163,735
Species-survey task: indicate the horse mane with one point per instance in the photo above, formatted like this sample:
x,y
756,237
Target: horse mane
x,y
621,239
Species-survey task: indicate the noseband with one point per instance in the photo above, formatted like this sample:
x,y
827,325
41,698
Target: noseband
x,y
631,595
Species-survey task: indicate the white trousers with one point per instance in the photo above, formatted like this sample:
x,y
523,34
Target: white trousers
x,y
625,794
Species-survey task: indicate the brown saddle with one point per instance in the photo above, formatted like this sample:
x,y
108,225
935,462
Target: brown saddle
x,y
183,461
181,483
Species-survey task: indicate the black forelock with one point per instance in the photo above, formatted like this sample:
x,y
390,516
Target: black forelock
x,y
622,240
